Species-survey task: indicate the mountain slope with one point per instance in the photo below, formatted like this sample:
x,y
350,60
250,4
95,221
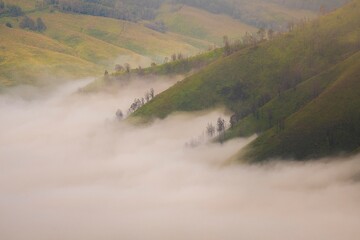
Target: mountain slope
x,y
201,24
329,124
28,57
89,45
246,81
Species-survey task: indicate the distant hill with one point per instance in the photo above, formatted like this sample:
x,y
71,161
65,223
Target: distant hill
x,y
99,34
270,86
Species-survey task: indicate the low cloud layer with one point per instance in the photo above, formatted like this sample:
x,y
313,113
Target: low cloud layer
x,y
70,170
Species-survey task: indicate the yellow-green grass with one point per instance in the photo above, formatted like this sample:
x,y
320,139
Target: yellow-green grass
x,y
201,24
27,57
95,42
109,38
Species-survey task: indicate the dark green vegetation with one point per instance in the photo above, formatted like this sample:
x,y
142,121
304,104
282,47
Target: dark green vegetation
x,y
298,91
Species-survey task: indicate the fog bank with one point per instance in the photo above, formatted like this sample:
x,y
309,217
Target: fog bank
x,y
70,170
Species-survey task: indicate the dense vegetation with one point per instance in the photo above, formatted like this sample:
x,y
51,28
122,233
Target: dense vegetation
x,y
267,85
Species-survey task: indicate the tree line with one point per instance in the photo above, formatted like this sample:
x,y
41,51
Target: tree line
x,y
10,10
28,23
212,131
130,10
136,104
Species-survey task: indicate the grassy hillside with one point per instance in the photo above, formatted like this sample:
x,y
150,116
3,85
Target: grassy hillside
x,y
248,80
28,57
88,45
201,24
330,124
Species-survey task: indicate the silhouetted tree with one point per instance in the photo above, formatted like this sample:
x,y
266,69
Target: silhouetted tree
x,y
180,56
227,47
147,96
220,128
127,67
220,125
119,114
210,130
173,57
119,68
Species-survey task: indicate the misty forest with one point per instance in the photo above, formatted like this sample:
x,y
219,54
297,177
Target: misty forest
x,y
180,119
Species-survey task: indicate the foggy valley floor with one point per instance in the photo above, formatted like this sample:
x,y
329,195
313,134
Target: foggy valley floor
x,y
70,170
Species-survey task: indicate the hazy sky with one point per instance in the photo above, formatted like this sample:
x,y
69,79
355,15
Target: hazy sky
x,y
69,170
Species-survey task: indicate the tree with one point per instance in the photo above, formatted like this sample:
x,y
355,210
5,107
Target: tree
x,y
2,5
119,114
152,93
221,128
118,68
227,47
106,75
27,23
210,130
220,125
261,34
14,10
147,96
40,25
127,67
173,57
180,56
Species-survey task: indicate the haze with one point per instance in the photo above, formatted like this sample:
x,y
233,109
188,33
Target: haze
x,y
69,170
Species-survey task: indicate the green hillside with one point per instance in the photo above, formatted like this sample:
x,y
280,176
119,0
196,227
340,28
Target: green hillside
x,y
297,66
28,57
330,124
